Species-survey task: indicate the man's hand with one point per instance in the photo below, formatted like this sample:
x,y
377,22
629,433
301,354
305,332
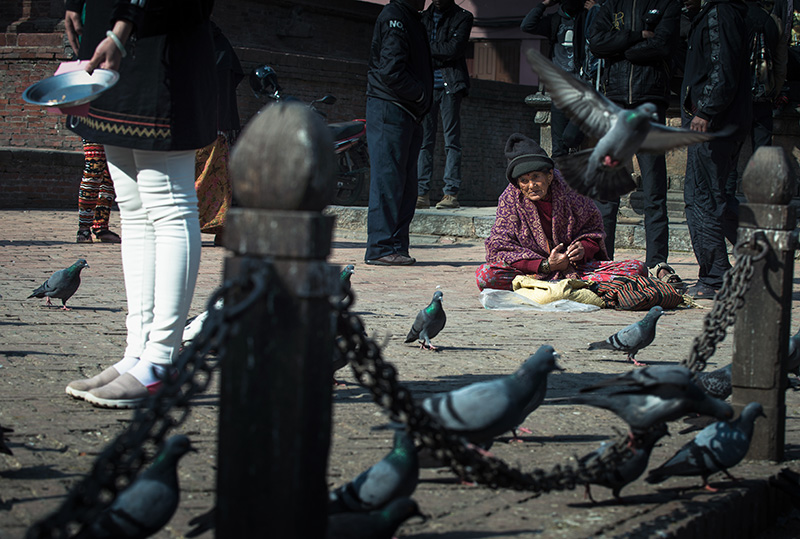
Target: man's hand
x,y
589,4
647,34
74,29
548,3
699,124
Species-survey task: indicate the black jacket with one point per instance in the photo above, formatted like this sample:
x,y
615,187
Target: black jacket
x,y
636,69
400,68
449,49
716,85
550,25
166,97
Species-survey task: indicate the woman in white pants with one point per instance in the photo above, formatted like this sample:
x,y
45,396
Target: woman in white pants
x,y
151,123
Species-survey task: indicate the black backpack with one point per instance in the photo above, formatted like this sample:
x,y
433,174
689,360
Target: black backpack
x,y
762,35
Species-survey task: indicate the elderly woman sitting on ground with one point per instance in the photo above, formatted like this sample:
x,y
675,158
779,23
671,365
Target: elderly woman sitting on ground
x,y
544,228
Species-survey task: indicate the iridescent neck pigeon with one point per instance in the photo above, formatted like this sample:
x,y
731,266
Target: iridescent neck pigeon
x,y
601,172
632,338
62,284
716,448
395,476
148,504
429,322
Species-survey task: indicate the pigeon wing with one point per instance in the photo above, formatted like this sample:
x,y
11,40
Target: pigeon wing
x,y
591,111
417,326
662,138
470,408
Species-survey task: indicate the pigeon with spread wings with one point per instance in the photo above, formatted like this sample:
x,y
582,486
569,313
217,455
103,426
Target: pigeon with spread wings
x,y
601,172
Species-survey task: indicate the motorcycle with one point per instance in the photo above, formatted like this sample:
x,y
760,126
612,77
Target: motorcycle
x,y
350,138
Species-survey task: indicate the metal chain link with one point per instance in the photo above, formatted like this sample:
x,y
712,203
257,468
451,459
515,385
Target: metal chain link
x,y
730,297
464,459
121,460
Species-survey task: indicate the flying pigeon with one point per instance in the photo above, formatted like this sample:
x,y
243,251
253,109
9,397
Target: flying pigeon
x,y
717,447
631,468
651,395
3,447
429,323
717,383
601,172
483,410
62,284
632,338
148,503
377,524
393,477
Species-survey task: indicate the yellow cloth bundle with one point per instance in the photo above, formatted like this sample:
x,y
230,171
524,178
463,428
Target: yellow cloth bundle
x,y
549,291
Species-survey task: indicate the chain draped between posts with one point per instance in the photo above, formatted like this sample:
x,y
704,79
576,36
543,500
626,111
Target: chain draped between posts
x,y
730,298
120,462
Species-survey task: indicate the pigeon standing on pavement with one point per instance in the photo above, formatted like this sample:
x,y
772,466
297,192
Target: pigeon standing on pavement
x,y
62,284
149,501
651,395
3,447
631,468
717,383
344,278
601,172
716,448
377,524
632,338
429,323
483,410
793,354
395,476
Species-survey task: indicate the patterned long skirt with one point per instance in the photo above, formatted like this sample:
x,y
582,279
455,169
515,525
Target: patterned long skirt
x,y
96,192
500,277
213,185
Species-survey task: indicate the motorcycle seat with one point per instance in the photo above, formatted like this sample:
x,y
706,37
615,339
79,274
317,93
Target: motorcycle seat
x,y
345,130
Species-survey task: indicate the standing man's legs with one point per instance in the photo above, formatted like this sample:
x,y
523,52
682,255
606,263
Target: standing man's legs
x,y
394,140
430,124
451,127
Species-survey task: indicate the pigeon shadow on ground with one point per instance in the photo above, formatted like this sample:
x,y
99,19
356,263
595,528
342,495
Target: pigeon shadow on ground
x,y
26,353
210,399
345,244
610,501
7,504
37,472
562,438
461,534
452,264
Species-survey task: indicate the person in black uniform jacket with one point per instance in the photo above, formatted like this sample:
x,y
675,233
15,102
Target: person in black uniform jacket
x,y
448,28
715,94
637,41
399,94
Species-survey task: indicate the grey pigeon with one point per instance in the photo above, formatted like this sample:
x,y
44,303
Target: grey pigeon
x,y
62,284
536,400
194,325
716,448
3,447
395,476
651,395
631,468
377,524
344,278
717,383
601,172
149,501
632,338
483,410
793,355
429,323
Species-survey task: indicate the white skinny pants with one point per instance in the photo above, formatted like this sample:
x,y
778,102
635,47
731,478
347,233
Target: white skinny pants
x,y
160,246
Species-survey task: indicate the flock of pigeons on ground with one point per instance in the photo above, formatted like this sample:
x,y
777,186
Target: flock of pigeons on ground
x,y
377,502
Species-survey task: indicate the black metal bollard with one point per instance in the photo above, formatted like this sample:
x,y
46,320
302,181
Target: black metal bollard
x,y
275,396
762,326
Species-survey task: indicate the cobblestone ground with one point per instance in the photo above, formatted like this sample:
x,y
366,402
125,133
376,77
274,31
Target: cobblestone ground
x,y
56,438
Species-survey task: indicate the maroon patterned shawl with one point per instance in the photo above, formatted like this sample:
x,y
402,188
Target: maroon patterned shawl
x,y
517,232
